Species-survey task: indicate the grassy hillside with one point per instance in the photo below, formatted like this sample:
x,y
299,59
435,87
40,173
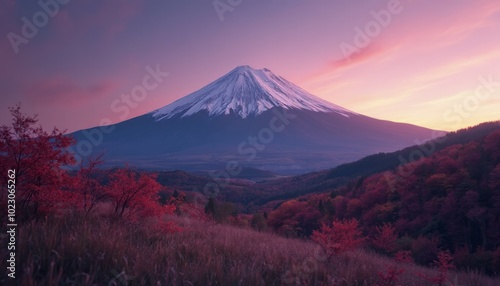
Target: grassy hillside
x,y
78,251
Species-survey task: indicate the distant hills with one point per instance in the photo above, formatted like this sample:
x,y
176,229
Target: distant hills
x,y
249,192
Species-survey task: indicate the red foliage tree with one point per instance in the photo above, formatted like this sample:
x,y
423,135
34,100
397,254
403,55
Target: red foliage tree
x,y
341,236
340,206
354,208
294,218
444,263
393,271
492,144
38,158
386,237
87,185
44,187
134,196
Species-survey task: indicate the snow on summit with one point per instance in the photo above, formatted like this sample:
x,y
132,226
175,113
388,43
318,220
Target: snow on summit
x,y
246,91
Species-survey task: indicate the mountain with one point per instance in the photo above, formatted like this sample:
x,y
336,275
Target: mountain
x,y
249,118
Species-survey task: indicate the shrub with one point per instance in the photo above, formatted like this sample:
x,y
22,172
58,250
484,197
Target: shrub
x,y
341,236
385,239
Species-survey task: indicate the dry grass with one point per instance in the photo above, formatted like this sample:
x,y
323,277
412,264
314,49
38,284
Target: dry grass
x,y
74,251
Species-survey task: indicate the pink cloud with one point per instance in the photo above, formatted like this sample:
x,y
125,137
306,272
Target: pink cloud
x,y
63,91
438,31
362,55
332,69
456,67
410,36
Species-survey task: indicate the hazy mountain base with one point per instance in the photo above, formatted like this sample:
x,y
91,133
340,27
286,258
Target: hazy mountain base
x,y
201,142
89,251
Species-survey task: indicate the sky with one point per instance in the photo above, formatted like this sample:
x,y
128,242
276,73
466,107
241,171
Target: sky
x,y
76,63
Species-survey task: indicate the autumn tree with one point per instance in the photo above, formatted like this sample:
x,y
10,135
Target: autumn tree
x,y
492,144
341,236
295,218
392,271
385,239
38,158
135,196
87,185
443,263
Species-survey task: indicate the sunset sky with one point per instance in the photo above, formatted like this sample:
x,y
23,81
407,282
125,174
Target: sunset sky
x,y
429,64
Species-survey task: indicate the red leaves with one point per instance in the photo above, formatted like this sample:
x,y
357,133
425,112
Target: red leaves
x,y
492,144
38,158
44,187
86,186
444,263
404,256
342,236
385,238
134,196
295,218
392,271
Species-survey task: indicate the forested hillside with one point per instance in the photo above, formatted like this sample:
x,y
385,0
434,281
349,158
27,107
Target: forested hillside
x,y
449,200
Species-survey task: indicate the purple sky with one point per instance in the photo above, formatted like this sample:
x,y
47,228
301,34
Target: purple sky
x,y
425,65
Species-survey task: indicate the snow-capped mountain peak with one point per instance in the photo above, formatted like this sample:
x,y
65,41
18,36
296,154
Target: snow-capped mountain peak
x,y
246,91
